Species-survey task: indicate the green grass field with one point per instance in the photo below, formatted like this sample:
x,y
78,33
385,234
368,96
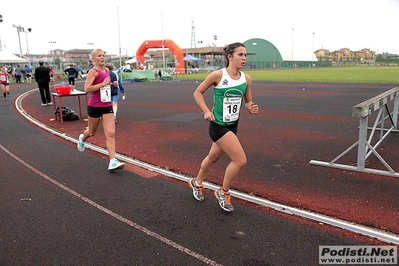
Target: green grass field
x,y
366,74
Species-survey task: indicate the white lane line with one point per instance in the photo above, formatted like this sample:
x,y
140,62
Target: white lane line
x,y
114,215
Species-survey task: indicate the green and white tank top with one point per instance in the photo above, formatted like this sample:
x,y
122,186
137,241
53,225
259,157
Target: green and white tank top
x,y
227,97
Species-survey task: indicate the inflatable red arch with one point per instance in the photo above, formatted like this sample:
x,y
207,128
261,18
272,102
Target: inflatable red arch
x,y
171,45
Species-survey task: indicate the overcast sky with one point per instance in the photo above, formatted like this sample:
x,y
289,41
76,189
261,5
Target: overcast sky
x,y
295,27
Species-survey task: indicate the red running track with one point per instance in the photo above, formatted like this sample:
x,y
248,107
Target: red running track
x,y
159,123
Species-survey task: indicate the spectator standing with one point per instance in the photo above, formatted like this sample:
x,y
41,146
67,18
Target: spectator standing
x,y
50,67
10,72
99,108
18,74
120,88
51,70
127,68
42,77
29,73
156,75
71,73
23,77
79,72
160,74
231,88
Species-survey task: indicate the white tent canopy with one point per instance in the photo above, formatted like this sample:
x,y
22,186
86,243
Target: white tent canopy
x,y
147,58
131,61
9,58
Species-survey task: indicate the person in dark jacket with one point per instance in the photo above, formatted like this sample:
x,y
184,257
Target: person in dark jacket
x,y
160,74
42,77
71,72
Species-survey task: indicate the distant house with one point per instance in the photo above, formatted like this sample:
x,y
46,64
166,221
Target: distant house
x,y
66,57
345,55
389,56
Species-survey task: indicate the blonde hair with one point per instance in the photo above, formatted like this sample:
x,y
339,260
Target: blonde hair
x,y
93,53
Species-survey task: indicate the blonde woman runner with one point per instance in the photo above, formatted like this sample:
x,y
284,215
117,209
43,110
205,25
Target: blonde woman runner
x,y
99,108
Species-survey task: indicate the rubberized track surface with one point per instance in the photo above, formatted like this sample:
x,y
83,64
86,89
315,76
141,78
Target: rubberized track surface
x,y
159,123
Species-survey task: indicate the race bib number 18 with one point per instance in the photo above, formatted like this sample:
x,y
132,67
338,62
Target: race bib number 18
x,y
231,108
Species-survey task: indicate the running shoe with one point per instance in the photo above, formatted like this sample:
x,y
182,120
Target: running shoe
x,y
50,103
114,164
224,201
81,143
43,104
197,190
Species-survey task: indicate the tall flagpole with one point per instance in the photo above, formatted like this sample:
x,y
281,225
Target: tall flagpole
x,y
163,45
120,56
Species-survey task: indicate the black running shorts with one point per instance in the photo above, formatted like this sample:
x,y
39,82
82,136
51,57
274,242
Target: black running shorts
x,y
96,112
217,131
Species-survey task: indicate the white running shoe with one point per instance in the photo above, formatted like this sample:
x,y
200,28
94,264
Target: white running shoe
x,y
114,164
81,143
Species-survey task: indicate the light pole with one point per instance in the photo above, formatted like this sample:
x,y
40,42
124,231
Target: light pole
x,y
313,49
52,52
19,29
52,42
52,46
127,57
200,42
27,45
1,20
90,48
215,38
163,44
120,49
292,52
254,61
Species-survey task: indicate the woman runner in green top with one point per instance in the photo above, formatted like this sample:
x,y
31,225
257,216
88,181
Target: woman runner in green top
x,y
231,88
